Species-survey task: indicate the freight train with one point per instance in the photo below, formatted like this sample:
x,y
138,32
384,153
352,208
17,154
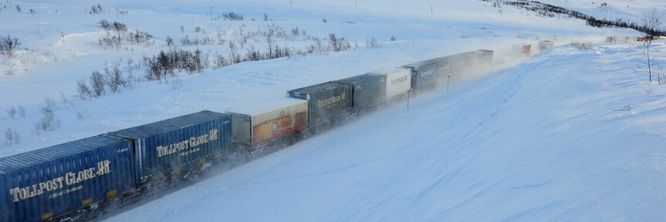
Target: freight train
x,y
78,180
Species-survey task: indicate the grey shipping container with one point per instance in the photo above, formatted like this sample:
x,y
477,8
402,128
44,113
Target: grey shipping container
x,y
173,148
256,129
428,73
368,90
328,102
47,183
464,62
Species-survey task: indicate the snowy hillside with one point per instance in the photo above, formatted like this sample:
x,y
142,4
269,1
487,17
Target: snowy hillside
x,y
569,135
63,44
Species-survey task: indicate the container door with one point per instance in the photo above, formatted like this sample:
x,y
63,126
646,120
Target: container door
x,y
241,129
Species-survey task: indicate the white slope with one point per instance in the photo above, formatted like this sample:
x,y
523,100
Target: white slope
x,y
60,48
570,135
632,11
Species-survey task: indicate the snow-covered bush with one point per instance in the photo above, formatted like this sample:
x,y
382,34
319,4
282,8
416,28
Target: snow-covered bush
x,y
96,9
48,121
83,90
114,78
11,137
165,63
8,44
97,83
16,112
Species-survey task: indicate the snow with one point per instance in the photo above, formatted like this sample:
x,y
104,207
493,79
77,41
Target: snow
x,y
567,134
538,142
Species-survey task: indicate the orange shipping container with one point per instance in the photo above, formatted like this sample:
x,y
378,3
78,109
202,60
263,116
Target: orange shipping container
x,y
255,130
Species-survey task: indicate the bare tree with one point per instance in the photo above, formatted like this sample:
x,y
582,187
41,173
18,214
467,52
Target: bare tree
x,y
97,83
114,78
651,22
11,137
83,89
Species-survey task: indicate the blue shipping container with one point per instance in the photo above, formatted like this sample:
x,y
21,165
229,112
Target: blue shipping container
x,y
53,181
173,148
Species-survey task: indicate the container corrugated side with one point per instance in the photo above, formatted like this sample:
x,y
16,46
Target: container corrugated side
x,y
174,147
4,198
428,73
328,102
470,61
61,178
241,129
368,90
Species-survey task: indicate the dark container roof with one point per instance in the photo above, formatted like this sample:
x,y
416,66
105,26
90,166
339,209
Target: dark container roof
x,y
52,153
321,87
170,124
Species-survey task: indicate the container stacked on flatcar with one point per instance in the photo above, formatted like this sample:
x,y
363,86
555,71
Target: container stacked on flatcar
x,y
468,61
397,83
366,90
427,74
173,149
328,103
69,180
254,131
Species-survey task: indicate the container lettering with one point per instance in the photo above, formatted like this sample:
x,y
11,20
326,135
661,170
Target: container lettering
x,y
185,145
69,179
331,100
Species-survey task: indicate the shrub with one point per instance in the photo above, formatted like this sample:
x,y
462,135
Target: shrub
x,y
97,83
96,9
174,60
83,90
105,24
11,137
48,121
114,78
8,44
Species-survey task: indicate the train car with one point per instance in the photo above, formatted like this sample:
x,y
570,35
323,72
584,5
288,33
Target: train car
x,y
546,44
397,82
67,181
469,61
328,103
367,90
171,150
254,130
427,74
484,56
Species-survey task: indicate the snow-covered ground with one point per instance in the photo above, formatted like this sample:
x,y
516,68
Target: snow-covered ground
x,y
568,134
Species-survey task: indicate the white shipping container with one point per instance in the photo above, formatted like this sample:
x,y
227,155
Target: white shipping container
x,y
398,81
